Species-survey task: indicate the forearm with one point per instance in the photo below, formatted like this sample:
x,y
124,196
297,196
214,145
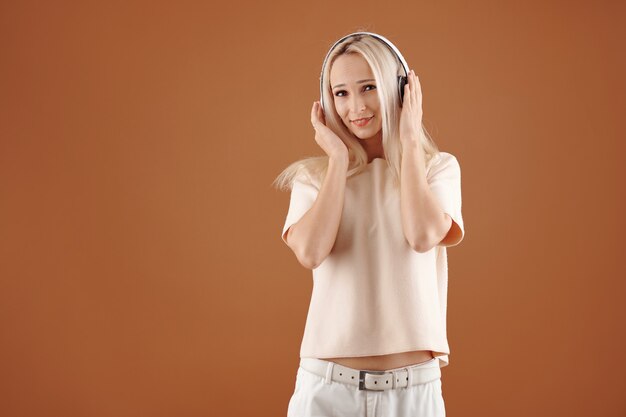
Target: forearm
x,y
423,220
313,236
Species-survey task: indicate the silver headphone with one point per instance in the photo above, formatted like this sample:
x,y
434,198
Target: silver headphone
x,y
402,79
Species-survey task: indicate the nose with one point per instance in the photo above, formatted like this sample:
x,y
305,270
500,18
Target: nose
x,y
358,104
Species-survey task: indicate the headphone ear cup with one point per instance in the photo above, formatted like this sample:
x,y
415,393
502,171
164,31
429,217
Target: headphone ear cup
x,y
402,80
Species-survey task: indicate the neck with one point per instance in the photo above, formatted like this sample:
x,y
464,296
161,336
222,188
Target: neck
x,y
373,147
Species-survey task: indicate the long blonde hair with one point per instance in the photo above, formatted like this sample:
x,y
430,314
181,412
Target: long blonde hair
x,y
386,68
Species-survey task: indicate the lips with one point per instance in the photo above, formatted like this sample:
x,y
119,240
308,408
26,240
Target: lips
x,y
362,122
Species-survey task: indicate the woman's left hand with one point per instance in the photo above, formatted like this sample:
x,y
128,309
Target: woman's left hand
x,y
411,115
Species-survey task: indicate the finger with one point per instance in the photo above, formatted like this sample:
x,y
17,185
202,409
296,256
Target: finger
x,y
320,113
314,114
407,94
418,89
415,87
410,84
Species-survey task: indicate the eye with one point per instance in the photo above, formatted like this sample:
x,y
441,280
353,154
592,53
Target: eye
x,y
341,93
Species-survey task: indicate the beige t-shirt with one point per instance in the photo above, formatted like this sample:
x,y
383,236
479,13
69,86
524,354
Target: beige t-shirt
x,y
374,294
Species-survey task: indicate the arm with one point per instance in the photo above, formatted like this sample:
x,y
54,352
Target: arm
x,y
313,236
423,221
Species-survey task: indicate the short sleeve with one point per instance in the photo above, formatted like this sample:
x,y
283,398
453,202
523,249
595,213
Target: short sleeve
x,y
303,195
444,179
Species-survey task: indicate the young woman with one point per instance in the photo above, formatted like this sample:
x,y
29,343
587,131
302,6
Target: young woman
x,y
372,220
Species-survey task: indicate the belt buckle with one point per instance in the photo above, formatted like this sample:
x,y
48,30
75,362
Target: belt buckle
x,y
362,380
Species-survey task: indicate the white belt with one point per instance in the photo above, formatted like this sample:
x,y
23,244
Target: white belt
x,y
374,380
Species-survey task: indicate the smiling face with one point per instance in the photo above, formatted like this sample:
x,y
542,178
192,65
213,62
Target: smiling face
x,y
355,96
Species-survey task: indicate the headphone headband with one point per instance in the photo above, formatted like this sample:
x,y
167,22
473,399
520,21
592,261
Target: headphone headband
x,y
386,42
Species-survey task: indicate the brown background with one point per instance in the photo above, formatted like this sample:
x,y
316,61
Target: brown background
x,y
142,271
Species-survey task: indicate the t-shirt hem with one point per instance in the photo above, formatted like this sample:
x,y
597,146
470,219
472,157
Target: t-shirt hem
x,y
441,355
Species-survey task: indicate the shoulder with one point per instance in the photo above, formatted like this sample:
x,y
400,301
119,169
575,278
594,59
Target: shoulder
x,y
443,162
307,178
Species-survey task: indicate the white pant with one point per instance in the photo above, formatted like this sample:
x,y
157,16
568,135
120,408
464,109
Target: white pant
x,y
316,396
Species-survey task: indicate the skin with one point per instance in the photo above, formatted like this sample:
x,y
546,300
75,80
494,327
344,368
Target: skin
x,y
313,236
355,96
432,226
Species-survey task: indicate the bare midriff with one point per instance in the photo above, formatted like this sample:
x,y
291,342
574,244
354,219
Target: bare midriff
x,y
384,362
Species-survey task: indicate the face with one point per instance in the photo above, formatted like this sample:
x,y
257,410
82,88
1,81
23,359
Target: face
x,y
355,95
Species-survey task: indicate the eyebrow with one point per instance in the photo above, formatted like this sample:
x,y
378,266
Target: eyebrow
x,y
358,82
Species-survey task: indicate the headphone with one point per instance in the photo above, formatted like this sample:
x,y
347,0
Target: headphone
x,y
402,79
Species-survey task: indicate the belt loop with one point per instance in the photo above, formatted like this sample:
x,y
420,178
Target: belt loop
x,y
409,372
395,377
329,372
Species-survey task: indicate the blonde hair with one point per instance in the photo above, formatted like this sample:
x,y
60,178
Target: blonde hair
x,y
386,68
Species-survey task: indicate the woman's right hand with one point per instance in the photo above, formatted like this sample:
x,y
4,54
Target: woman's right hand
x,y
326,138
